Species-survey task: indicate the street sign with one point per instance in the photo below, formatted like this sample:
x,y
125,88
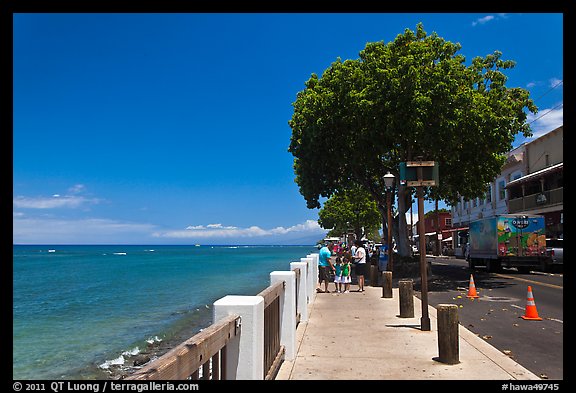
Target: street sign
x,y
409,173
420,174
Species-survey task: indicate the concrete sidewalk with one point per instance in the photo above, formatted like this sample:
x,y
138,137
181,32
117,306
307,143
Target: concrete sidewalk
x,y
360,336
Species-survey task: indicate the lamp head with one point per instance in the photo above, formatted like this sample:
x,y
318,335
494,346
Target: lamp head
x,y
389,180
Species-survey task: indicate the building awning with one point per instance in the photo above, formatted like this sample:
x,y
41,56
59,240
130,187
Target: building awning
x,y
536,174
448,239
426,234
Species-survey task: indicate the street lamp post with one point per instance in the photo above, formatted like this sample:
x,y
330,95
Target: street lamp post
x,y
389,182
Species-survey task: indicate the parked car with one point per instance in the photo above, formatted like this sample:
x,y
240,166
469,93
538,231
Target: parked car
x,y
555,250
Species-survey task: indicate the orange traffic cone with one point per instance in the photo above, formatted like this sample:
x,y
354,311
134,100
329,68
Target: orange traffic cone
x,y
472,289
531,312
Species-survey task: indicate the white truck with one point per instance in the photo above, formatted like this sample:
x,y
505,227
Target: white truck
x,y
508,240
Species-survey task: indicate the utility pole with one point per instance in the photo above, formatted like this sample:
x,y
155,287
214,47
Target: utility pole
x,y
425,319
421,174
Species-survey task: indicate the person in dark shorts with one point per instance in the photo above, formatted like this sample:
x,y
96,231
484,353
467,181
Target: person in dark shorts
x,y
360,266
324,267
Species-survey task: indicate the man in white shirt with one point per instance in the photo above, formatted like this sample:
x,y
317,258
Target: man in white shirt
x,y
360,267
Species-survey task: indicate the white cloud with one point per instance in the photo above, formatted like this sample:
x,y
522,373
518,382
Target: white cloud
x,y
77,189
552,83
212,231
199,227
53,202
555,82
58,230
72,200
49,227
308,226
82,231
219,226
546,120
488,18
481,21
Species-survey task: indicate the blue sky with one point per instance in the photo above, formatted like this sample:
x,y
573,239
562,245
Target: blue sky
x,y
173,128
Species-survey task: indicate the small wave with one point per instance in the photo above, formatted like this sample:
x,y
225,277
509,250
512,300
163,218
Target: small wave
x,y
119,253
150,250
119,361
154,339
133,352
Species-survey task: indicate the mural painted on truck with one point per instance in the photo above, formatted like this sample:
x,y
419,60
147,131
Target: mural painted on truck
x,y
528,233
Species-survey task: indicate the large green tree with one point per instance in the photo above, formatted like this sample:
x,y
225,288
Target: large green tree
x,y
412,97
352,209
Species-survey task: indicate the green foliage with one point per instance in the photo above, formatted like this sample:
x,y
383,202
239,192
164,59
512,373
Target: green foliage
x,y
352,208
432,213
411,97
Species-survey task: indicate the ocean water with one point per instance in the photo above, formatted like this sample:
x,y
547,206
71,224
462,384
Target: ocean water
x,y
79,309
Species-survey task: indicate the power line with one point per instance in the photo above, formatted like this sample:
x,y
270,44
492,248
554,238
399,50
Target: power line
x,y
552,88
547,113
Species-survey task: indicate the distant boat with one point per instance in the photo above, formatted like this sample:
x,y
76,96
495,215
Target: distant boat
x,y
51,250
197,245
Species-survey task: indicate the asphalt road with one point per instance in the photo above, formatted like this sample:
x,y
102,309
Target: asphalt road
x,y
496,314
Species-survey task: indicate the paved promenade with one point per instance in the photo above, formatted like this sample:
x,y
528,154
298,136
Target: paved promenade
x,y
360,336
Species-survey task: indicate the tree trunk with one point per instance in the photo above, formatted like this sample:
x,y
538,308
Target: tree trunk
x,y
359,233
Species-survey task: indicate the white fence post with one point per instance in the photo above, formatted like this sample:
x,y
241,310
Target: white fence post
x,y
245,359
315,259
287,311
311,278
302,289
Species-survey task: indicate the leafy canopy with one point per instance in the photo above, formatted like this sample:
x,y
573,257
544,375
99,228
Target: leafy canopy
x,y
413,97
353,209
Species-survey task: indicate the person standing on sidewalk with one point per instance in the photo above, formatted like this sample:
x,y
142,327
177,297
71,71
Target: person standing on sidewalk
x,y
338,267
346,270
383,257
324,267
360,267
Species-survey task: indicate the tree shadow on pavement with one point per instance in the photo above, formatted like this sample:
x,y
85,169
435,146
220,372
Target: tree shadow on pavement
x,y
447,278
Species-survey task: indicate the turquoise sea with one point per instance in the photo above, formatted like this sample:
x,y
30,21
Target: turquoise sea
x,y
77,310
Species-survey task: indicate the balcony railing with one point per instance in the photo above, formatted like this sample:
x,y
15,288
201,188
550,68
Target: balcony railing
x,y
536,201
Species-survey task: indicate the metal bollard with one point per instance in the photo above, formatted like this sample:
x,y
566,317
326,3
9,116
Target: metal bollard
x,y
406,294
448,333
387,284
